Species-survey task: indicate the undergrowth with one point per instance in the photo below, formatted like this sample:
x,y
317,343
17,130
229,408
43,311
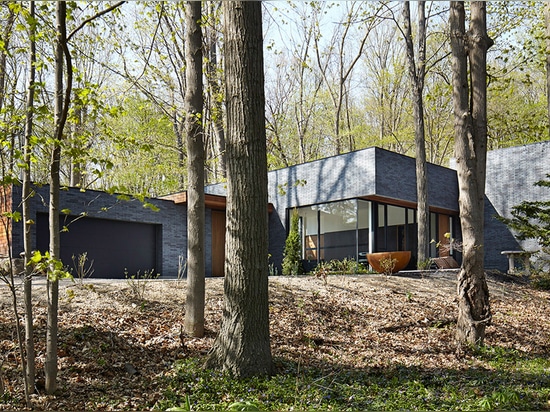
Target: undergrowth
x,y
508,380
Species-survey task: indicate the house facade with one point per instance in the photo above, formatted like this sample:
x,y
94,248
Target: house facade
x,y
358,203
349,205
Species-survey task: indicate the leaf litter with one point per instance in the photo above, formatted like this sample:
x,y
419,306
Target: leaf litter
x,y
114,349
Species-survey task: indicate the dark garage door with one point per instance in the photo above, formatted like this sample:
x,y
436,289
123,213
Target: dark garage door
x,y
114,246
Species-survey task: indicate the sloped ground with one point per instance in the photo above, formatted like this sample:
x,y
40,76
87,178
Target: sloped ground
x,y
115,345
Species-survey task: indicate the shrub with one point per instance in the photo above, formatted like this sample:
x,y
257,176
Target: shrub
x,y
292,255
531,219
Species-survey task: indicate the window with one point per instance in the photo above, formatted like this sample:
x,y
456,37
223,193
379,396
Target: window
x,y
352,228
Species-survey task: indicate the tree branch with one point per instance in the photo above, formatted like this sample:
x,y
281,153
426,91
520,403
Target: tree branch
x,y
95,16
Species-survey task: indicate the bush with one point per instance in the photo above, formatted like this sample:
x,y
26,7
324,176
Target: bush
x,y
531,219
338,267
292,255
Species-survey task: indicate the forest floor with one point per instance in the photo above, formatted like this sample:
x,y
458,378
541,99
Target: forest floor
x,y
118,340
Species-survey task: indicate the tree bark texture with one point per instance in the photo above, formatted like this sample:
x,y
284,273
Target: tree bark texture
x,y
215,90
417,73
469,103
547,23
61,108
194,304
25,201
6,37
243,344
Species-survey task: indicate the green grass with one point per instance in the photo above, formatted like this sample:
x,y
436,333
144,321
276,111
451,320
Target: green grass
x,y
508,380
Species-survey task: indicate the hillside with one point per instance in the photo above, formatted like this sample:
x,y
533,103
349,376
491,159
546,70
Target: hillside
x,y
115,349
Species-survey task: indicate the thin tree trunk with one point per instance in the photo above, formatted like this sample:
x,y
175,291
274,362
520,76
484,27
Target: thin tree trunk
x,y
474,312
547,23
417,74
62,99
76,176
243,344
216,108
19,332
6,35
27,194
194,305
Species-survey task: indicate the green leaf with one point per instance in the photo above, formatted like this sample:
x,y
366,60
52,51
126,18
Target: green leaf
x,y
36,257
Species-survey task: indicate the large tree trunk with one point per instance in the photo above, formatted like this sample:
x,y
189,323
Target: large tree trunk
x,y
417,73
194,306
27,194
243,344
474,312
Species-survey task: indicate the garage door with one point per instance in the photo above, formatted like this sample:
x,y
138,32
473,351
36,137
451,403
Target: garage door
x,y
115,247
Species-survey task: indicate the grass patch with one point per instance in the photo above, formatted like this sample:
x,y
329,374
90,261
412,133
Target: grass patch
x,y
508,380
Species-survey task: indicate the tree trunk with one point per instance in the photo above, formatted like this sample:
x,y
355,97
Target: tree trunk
x,y
215,91
76,175
417,74
27,194
474,312
547,23
243,344
6,37
194,306
62,99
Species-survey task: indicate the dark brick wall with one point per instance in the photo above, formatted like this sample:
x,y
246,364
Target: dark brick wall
x,y
511,173
396,179
171,217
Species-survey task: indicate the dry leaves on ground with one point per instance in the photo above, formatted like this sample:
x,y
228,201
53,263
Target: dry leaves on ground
x,y
114,349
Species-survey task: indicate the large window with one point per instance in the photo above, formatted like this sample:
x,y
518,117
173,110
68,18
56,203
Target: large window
x,y
396,229
335,230
352,228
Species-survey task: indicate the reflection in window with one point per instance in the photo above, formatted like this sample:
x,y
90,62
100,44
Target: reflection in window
x,y
338,224
344,229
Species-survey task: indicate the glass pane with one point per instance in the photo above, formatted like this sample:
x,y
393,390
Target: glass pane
x,y
396,228
309,229
396,215
381,229
363,225
411,232
338,230
433,234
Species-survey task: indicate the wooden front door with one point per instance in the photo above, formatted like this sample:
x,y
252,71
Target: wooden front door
x,y
218,242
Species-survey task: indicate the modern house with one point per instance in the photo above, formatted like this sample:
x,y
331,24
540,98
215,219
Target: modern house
x,y
349,205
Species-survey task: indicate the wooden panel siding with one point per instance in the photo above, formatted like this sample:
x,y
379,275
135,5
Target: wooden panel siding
x,y
218,242
5,222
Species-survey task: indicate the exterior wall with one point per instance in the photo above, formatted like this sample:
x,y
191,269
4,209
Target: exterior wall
x,y
511,174
171,217
396,179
